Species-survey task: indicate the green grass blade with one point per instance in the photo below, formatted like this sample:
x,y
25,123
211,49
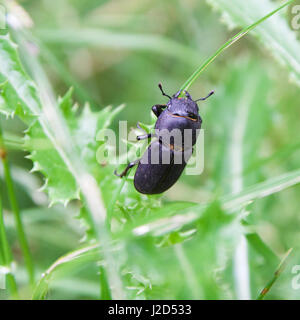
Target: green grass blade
x,y
226,45
17,214
277,35
261,247
162,223
5,250
108,39
277,273
65,264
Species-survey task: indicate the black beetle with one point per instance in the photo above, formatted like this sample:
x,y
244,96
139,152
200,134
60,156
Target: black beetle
x,y
154,174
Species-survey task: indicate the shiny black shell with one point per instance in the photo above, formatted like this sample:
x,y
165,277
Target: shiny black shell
x,y
180,113
153,178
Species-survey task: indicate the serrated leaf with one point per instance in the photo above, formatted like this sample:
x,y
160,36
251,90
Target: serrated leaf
x,y
17,90
60,183
87,225
20,96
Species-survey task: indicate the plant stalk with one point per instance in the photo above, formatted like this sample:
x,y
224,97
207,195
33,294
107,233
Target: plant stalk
x,y
276,275
236,154
16,211
6,255
105,293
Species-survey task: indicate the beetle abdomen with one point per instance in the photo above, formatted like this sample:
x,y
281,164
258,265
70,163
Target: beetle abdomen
x,y
159,168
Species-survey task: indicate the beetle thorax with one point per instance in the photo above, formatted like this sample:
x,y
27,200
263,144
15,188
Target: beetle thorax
x,y
183,106
177,126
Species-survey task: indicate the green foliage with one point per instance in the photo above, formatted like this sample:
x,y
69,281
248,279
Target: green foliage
x,y
182,244
60,183
274,33
19,94
247,28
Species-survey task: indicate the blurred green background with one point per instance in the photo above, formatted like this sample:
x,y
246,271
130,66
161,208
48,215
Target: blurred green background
x,y
115,52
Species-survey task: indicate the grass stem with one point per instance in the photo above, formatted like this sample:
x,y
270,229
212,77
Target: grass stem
x,y
226,45
105,293
188,271
276,275
6,255
16,211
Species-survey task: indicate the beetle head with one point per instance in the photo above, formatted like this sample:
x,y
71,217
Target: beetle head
x,y
183,106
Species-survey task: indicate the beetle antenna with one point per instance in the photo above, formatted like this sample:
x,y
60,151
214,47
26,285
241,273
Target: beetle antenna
x,y
162,91
211,93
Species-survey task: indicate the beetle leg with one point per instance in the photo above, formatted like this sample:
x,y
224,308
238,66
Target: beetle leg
x,y
143,137
129,166
158,109
139,127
